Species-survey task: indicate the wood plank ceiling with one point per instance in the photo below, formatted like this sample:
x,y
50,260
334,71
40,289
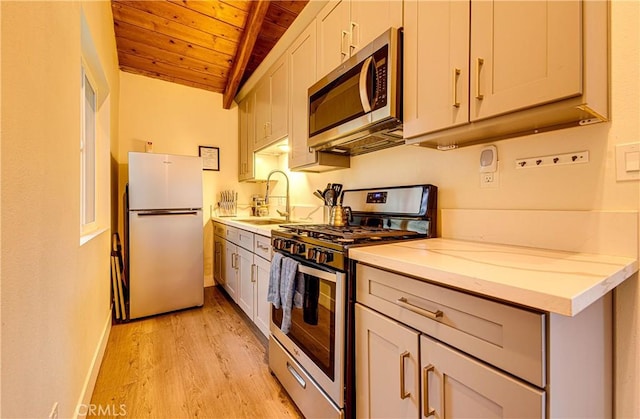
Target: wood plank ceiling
x,y
208,44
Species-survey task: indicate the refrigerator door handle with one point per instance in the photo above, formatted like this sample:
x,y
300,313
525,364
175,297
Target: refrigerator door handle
x,y
155,213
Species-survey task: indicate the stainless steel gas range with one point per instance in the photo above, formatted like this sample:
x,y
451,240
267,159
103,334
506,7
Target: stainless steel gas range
x,y
314,360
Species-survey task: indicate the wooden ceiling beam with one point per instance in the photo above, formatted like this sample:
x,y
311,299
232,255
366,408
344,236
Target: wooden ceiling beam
x,y
254,24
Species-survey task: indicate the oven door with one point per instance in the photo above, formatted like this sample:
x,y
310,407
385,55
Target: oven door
x,y
316,336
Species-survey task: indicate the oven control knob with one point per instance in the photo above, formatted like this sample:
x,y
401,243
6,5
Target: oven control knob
x,y
297,248
323,257
281,244
311,253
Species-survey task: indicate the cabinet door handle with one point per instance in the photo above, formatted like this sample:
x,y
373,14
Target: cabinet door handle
x,y
479,64
344,53
253,276
403,393
234,260
402,302
425,391
355,36
456,77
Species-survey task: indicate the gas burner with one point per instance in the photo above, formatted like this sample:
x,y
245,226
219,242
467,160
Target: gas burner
x,y
346,234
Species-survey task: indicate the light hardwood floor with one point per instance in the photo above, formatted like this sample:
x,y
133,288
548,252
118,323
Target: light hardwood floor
x,y
205,362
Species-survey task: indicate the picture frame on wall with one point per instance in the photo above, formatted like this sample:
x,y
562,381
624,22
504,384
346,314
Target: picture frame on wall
x,y
210,157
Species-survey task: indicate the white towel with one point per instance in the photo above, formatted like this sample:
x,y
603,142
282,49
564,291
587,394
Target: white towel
x,y
273,292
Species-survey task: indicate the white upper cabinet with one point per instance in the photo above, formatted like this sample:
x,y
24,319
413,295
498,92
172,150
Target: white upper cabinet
x,y
271,107
369,19
279,100
302,66
523,54
245,136
250,167
346,26
436,65
479,70
333,36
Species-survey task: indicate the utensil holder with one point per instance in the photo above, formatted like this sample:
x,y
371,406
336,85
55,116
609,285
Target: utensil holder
x,y
326,214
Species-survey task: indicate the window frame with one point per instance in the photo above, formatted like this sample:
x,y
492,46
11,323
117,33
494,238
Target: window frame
x,y
86,76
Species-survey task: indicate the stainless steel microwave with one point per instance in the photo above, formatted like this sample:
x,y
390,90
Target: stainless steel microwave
x,y
357,108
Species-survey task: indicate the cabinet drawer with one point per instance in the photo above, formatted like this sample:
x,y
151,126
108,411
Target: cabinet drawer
x,y
220,230
311,401
262,246
508,337
232,234
245,239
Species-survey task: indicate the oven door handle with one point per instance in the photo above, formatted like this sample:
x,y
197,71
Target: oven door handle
x,y
328,276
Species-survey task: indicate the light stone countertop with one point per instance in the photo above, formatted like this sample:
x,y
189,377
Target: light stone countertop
x,y
264,230
548,280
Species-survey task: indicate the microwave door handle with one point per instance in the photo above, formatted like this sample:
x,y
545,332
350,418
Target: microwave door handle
x,y
364,95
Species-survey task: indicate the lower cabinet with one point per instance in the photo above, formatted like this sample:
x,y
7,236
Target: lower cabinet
x,y
423,350
401,373
254,284
230,270
243,273
219,252
387,363
262,315
455,385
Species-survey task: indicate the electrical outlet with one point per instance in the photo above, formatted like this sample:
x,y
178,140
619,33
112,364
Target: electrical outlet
x,y
489,179
54,411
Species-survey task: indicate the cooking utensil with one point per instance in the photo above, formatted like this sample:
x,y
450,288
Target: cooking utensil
x,y
330,197
338,188
318,194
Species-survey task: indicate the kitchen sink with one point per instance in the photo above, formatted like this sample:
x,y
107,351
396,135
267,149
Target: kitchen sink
x,y
266,221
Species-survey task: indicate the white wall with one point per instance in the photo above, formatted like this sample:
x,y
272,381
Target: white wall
x,y
178,119
55,292
591,186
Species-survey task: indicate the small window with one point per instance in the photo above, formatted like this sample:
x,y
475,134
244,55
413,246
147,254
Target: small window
x,y
88,155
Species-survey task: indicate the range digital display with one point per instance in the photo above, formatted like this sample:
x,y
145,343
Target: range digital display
x,y
377,197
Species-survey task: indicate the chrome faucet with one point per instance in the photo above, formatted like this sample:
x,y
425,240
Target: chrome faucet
x,y
287,213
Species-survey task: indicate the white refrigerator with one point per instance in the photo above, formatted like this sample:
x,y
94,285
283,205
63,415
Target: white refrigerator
x,y
164,233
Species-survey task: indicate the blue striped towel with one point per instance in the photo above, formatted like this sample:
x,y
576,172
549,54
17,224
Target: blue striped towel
x,y
273,292
288,282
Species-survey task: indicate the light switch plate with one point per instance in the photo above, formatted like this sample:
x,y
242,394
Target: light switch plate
x,y
628,161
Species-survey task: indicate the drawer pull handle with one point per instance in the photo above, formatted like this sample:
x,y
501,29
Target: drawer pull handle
x,y
297,376
262,246
402,302
403,393
425,395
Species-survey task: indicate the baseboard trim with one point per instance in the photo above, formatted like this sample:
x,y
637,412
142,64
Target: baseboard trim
x,y
92,374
